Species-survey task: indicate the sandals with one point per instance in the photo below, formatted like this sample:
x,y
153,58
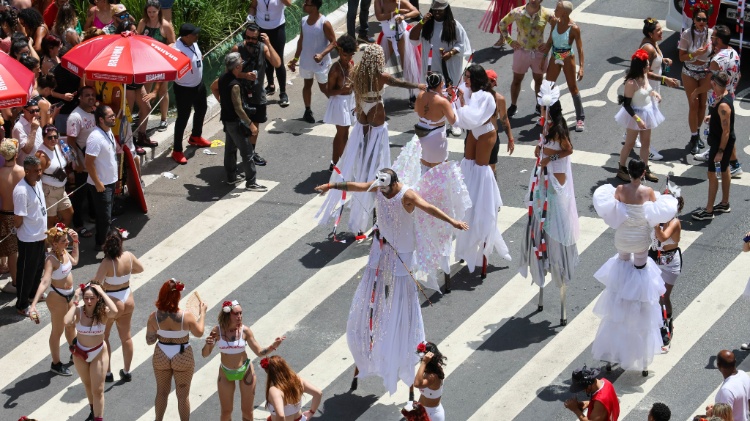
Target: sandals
x,y
500,44
85,233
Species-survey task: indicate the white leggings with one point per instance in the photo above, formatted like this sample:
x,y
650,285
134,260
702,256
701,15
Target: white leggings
x,y
639,259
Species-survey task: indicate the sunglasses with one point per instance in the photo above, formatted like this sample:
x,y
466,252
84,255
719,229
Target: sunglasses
x,y
53,137
701,19
33,110
123,16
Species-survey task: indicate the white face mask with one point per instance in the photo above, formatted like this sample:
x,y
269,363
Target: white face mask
x,y
382,179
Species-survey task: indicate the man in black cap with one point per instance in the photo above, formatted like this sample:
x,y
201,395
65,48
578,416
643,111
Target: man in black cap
x,y
190,93
603,404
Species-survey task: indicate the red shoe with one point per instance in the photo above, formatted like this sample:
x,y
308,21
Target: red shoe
x,y
179,157
199,142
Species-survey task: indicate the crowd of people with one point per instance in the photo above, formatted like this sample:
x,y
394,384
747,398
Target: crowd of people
x,y
70,131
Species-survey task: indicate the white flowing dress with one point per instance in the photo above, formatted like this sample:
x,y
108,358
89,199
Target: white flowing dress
x,y
629,305
561,229
483,235
385,319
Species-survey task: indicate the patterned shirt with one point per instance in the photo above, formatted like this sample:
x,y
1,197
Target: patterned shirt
x,y
530,27
729,62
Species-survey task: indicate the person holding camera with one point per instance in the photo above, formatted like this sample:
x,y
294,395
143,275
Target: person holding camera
x,y
603,404
54,178
237,124
256,53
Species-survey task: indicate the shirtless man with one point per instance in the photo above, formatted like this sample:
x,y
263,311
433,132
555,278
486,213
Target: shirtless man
x,y
10,174
500,121
392,15
341,95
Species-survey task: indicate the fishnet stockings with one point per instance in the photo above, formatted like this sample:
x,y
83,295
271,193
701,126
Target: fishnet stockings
x,y
181,367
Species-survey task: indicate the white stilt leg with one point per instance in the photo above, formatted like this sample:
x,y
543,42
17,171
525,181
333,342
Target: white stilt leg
x,y
541,299
563,310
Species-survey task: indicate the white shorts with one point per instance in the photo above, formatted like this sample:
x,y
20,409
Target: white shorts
x,y
321,76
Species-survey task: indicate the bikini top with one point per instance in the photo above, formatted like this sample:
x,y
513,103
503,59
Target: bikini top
x,y
429,124
432,394
561,41
173,334
62,271
119,280
234,347
289,409
93,330
98,22
372,96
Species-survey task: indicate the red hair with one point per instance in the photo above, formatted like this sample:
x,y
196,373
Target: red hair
x,y
169,297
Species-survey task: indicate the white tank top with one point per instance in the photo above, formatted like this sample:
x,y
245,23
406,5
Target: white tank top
x,y
56,160
396,224
655,68
313,42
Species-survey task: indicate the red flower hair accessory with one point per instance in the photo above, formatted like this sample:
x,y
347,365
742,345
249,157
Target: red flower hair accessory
x,y
264,363
640,54
178,286
421,349
60,227
227,306
82,286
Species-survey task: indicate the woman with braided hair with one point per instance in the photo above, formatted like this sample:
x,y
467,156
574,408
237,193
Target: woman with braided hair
x,y
170,329
89,349
423,164
552,231
58,268
367,149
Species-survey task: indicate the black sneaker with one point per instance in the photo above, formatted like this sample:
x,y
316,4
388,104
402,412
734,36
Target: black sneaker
x,y
512,110
259,161
694,148
270,90
255,187
91,416
109,378
700,142
60,369
126,377
238,178
283,99
308,116
538,110
722,208
702,215
330,168
162,126
412,101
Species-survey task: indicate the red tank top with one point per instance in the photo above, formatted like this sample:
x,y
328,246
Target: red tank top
x,y
607,397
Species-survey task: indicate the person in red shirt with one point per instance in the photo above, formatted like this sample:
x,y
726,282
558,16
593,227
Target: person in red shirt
x,y
50,13
603,405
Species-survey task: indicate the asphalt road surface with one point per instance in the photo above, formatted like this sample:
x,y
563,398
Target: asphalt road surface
x,y
505,359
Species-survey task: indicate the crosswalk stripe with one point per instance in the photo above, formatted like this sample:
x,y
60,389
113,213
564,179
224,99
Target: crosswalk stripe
x,y
455,145
717,300
213,291
279,321
460,344
25,356
549,362
335,360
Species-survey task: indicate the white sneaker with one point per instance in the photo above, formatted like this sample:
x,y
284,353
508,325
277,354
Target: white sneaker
x,y
703,156
654,155
638,141
456,131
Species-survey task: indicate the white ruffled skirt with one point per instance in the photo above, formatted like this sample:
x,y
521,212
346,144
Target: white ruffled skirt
x,y
385,319
363,156
339,110
650,115
483,235
631,317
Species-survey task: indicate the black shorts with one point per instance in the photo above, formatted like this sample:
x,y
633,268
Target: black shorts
x,y
495,150
259,116
714,149
134,86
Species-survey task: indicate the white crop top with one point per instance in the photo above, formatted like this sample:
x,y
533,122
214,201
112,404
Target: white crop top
x,y
642,97
432,394
289,409
234,347
559,165
119,280
93,330
63,270
172,334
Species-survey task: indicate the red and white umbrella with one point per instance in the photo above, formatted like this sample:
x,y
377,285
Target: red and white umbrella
x,y
126,58
16,82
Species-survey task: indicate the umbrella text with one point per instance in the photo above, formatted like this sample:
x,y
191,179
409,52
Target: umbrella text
x,y
116,53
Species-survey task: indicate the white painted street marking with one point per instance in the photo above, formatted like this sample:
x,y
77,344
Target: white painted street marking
x,y
549,362
26,354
